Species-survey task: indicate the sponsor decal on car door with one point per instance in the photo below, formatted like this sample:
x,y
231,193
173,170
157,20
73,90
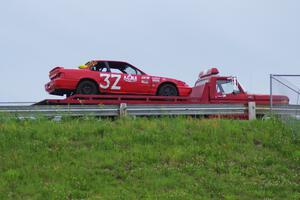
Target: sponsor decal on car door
x,y
145,84
130,78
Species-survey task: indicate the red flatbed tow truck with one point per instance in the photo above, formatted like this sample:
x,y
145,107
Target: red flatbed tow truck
x,y
210,88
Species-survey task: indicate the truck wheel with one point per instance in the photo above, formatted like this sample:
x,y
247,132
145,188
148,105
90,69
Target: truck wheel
x,y
87,87
167,90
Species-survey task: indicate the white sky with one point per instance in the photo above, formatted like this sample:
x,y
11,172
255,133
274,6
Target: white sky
x,y
178,39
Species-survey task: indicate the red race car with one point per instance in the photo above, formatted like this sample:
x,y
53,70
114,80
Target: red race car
x,y
112,77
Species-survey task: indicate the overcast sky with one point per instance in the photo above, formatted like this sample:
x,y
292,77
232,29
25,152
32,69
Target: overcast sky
x,y
246,38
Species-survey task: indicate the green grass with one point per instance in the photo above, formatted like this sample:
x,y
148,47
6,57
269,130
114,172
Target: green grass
x,y
163,158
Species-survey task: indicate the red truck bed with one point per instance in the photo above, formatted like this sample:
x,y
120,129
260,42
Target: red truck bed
x,y
117,99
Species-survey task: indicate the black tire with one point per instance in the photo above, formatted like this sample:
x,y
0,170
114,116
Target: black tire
x,y
167,90
87,87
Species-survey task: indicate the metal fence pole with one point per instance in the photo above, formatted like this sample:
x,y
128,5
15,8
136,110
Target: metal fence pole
x,y
271,93
298,97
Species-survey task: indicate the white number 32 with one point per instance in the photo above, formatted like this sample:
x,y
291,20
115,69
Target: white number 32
x,y
107,81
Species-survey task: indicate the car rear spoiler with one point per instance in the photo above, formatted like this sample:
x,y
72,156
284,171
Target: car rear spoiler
x,y
55,68
54,71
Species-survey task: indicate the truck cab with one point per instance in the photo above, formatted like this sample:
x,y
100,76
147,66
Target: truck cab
x,y
210,88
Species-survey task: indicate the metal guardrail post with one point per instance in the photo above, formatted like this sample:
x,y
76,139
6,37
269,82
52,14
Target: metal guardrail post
x,y
123,110
251,110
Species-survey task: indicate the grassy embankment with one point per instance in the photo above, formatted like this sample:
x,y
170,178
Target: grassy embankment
x,y
166,158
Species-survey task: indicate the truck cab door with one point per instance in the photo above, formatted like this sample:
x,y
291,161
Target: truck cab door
x,y
227,90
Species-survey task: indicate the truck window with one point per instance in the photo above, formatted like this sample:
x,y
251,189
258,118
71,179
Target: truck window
x,y
226,87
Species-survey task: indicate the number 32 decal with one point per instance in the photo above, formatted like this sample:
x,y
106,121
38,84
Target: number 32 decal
x,y
107,81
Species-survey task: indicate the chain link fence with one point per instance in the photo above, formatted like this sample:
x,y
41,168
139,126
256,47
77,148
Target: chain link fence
x,y
289,86
285,85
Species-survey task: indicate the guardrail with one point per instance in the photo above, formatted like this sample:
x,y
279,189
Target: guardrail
x,y
279,110
250,111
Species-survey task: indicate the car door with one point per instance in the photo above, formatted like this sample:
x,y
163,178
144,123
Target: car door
x,y
111,81
135,81
131,81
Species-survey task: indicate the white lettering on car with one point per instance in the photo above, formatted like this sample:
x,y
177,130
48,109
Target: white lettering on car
x,y
115,86
130,78
156,79
145,81
145,77
108,81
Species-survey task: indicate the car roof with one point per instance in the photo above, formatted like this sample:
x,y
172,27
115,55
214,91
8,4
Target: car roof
x,y
119,62
109,61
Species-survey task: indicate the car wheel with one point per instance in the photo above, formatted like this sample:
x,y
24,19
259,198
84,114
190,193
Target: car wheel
x,y
87,87
167,90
